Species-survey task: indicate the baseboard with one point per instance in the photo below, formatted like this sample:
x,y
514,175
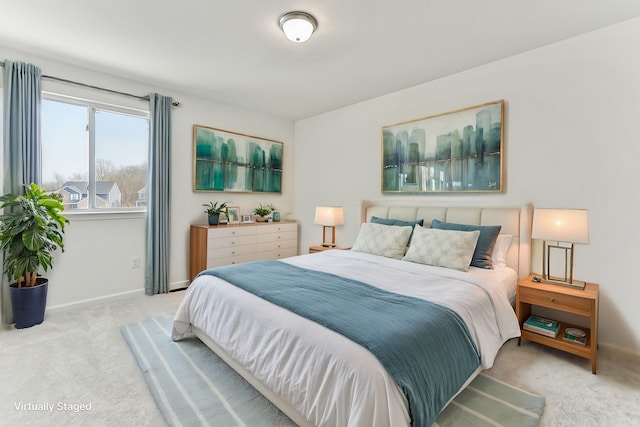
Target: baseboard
x,y
619,352
93,300
178,285
172,286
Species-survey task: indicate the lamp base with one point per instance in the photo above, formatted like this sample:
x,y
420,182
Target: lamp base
x,y
328,245
576,284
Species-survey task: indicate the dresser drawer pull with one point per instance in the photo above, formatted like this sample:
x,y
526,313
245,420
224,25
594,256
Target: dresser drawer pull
x,y
552,299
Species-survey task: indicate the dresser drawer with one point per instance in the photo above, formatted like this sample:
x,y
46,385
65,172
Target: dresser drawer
x,y
273,246
237,259
277,228
275,237
277,253
568,303
230,251
227,242
230,231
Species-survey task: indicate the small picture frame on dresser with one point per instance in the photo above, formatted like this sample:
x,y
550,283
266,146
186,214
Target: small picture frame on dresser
x,y
233,217
246,219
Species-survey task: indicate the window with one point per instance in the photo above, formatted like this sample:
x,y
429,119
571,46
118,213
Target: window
x,y
94,155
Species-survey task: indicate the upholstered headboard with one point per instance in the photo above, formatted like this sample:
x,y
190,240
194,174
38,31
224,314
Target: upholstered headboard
x,y
514,221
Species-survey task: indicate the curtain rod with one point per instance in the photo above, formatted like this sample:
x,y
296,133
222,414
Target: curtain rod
x,y
141,98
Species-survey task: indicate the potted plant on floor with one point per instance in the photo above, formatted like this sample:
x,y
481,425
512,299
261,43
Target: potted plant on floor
x,y
31,229
262,211
214,211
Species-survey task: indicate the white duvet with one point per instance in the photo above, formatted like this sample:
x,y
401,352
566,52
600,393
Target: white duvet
x,y
327,378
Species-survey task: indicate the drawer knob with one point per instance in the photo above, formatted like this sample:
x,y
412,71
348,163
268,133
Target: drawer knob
x,y
552,299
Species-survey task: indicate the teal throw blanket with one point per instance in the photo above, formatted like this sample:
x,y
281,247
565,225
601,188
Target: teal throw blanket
x,y
425,347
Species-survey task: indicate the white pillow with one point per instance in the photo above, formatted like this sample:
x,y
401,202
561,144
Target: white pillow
x,y
386,240
500,250
443,248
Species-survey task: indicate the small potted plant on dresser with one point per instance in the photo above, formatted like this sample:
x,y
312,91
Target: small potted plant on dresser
x,y
262,211
31,229
214,210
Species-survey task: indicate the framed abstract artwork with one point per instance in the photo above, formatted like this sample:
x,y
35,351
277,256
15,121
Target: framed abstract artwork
x,y
234,162
234,215
457,151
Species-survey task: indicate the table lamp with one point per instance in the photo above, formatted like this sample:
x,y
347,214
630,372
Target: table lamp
x,y
568,226
329,217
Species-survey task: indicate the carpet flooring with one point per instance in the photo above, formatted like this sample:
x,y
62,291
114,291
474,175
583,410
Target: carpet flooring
x,y
77,356
193,386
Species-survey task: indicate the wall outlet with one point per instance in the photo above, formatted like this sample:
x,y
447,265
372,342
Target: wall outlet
x,y
135,262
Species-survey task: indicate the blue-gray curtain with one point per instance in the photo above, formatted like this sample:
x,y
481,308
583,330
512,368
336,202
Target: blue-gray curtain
x,y
22,153
158,196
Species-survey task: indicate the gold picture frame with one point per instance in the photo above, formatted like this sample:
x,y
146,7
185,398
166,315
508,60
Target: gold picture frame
x,y
457,151
235,162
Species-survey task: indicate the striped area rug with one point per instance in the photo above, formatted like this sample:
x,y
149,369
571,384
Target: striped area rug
x,y
192,387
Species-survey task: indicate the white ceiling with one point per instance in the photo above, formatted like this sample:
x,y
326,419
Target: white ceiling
x,y
233,51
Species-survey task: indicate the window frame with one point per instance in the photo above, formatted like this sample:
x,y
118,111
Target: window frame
x,y
92,106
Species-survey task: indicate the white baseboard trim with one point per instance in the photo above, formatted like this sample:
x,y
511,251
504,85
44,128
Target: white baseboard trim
x,y
620,352
179,285
92,300
174,285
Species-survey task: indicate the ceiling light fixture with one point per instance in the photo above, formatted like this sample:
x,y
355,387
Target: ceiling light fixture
x,y
298,26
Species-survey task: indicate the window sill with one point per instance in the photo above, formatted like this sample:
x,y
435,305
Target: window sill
x,y
106,215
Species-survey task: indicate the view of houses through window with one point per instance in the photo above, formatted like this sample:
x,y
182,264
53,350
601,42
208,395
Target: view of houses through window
x,y
94,156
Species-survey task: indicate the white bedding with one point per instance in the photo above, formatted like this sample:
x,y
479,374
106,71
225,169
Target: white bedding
x,y
326,377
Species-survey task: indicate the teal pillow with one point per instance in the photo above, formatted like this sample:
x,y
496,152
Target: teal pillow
x,y
486,240
398,222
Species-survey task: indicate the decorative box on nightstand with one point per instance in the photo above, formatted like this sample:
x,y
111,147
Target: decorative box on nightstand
x,y
582,302
319,248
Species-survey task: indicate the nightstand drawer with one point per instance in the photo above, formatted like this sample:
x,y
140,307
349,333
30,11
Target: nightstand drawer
x,y
545,298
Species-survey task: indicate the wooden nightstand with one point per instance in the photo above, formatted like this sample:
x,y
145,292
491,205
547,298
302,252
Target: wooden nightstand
x,y
568,300
318,248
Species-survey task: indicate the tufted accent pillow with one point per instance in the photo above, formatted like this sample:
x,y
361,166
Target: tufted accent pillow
x,y
386,240
486,241
443,248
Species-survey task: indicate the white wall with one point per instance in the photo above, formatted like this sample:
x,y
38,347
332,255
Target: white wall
x,y
99,249
571,141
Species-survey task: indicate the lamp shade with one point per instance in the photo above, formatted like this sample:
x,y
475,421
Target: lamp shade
x,y
561,225
329,215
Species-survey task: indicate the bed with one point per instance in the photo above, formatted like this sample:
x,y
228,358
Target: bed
x,y
318,376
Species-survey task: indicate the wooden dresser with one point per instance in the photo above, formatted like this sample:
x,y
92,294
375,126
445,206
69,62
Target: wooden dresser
x,y
217,245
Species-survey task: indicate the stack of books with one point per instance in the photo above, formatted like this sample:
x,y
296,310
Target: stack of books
x,y
576,336
542,326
